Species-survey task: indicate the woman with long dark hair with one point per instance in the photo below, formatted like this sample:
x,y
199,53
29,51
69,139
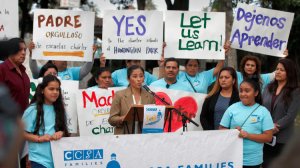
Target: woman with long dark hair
x,y
224,93
45,120
282,98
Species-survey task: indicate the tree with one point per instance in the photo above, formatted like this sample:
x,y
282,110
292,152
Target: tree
x,y
227,6
178,5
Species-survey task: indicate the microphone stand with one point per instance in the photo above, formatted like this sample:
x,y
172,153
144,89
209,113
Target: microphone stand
x,y
184,117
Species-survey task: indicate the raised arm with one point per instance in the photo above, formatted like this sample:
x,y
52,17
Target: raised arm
x,y
220,64
32,63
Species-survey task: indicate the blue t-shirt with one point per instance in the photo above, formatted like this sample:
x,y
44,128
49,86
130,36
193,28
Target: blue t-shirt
x,y
40,152
220,108
94,88
266,79
178,85
201,81
258,122
70,73
119,77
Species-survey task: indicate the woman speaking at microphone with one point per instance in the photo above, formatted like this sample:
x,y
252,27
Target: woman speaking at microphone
x,y
124,99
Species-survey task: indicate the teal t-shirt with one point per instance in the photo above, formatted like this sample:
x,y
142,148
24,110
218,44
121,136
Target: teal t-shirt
x,y
70,73
161,83
119,77
266,79
201,81
40,152
258,122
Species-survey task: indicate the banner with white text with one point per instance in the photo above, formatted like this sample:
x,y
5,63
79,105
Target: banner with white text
x,y
202,149
9,19
68,89
132,35
188,103
195,35
63,35
93,107
261,30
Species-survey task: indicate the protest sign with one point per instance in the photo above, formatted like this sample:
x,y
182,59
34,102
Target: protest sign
x,y
93,107
188,103
9,19
63,35
68,89
132,35
195,35
180,150
261,30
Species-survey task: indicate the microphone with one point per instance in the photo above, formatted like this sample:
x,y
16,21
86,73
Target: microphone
x,y
148,89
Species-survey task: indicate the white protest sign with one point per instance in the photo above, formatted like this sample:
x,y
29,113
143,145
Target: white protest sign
x,y
261,30
69,89
153,119
195,35
9,19
186,150
70,3
132,35
63,35
93,108
188,103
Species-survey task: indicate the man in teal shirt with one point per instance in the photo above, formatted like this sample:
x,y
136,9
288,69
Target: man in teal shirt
x,y
171,69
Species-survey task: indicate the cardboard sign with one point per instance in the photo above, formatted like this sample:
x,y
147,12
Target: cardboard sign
x,y
195,35
63,35
132,35
261,30
93,107
9,19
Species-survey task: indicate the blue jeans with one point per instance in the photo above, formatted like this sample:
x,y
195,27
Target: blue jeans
x,y
36,165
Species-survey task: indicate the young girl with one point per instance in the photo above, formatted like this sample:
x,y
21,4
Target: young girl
x,y
252,120
44,121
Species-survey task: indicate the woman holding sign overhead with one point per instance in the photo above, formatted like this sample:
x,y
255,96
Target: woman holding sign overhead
x,y
199,81
122,101
250,66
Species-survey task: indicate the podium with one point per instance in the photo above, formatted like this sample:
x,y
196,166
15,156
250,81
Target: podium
x,y
135,115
